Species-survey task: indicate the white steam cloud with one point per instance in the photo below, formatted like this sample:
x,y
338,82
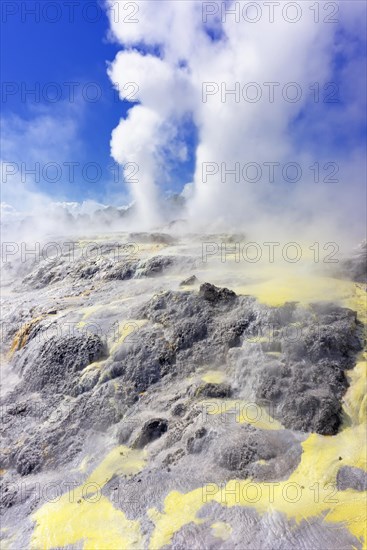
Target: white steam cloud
x,y
176,58
212,89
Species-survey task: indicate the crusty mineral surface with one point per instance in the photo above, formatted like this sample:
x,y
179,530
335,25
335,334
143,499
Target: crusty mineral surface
x,y
151,399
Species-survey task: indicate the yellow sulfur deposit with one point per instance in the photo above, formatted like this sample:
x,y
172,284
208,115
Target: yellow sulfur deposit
x,y
213,377
246,413
297,288
84,515
21,337
221,530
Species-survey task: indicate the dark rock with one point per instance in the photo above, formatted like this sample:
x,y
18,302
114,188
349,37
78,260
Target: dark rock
x,y
214,294
159,238
59,361
179,409
86,271
145,361
122,270
9,496
237,458
105,406
190,281
214,390
29,460
172,458
21,409
246,447
153,429
306,388
229,334
195,443
187,333
154,266
309,412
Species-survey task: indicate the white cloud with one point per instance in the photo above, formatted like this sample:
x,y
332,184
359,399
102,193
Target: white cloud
x,y
28,145
27,148
230,132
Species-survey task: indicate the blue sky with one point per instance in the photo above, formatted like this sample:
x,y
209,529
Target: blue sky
x,y
41,52
44,52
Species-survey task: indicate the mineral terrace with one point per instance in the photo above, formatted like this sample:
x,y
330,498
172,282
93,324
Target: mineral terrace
x,y
153,398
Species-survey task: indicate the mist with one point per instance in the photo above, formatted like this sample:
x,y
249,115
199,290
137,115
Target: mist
x,y
250,90
266,103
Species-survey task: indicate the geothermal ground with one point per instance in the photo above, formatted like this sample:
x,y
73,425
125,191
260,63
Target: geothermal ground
x,y
159,394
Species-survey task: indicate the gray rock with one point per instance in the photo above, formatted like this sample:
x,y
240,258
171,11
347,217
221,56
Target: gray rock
x,y
179,409
190,281
305,390
122,270
29,460
58,362
159,238
221,390
154,266
236,455
355,267
349,477
213,294
195,443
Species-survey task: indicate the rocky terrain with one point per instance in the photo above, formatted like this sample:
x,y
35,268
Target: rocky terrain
x,y
151,399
